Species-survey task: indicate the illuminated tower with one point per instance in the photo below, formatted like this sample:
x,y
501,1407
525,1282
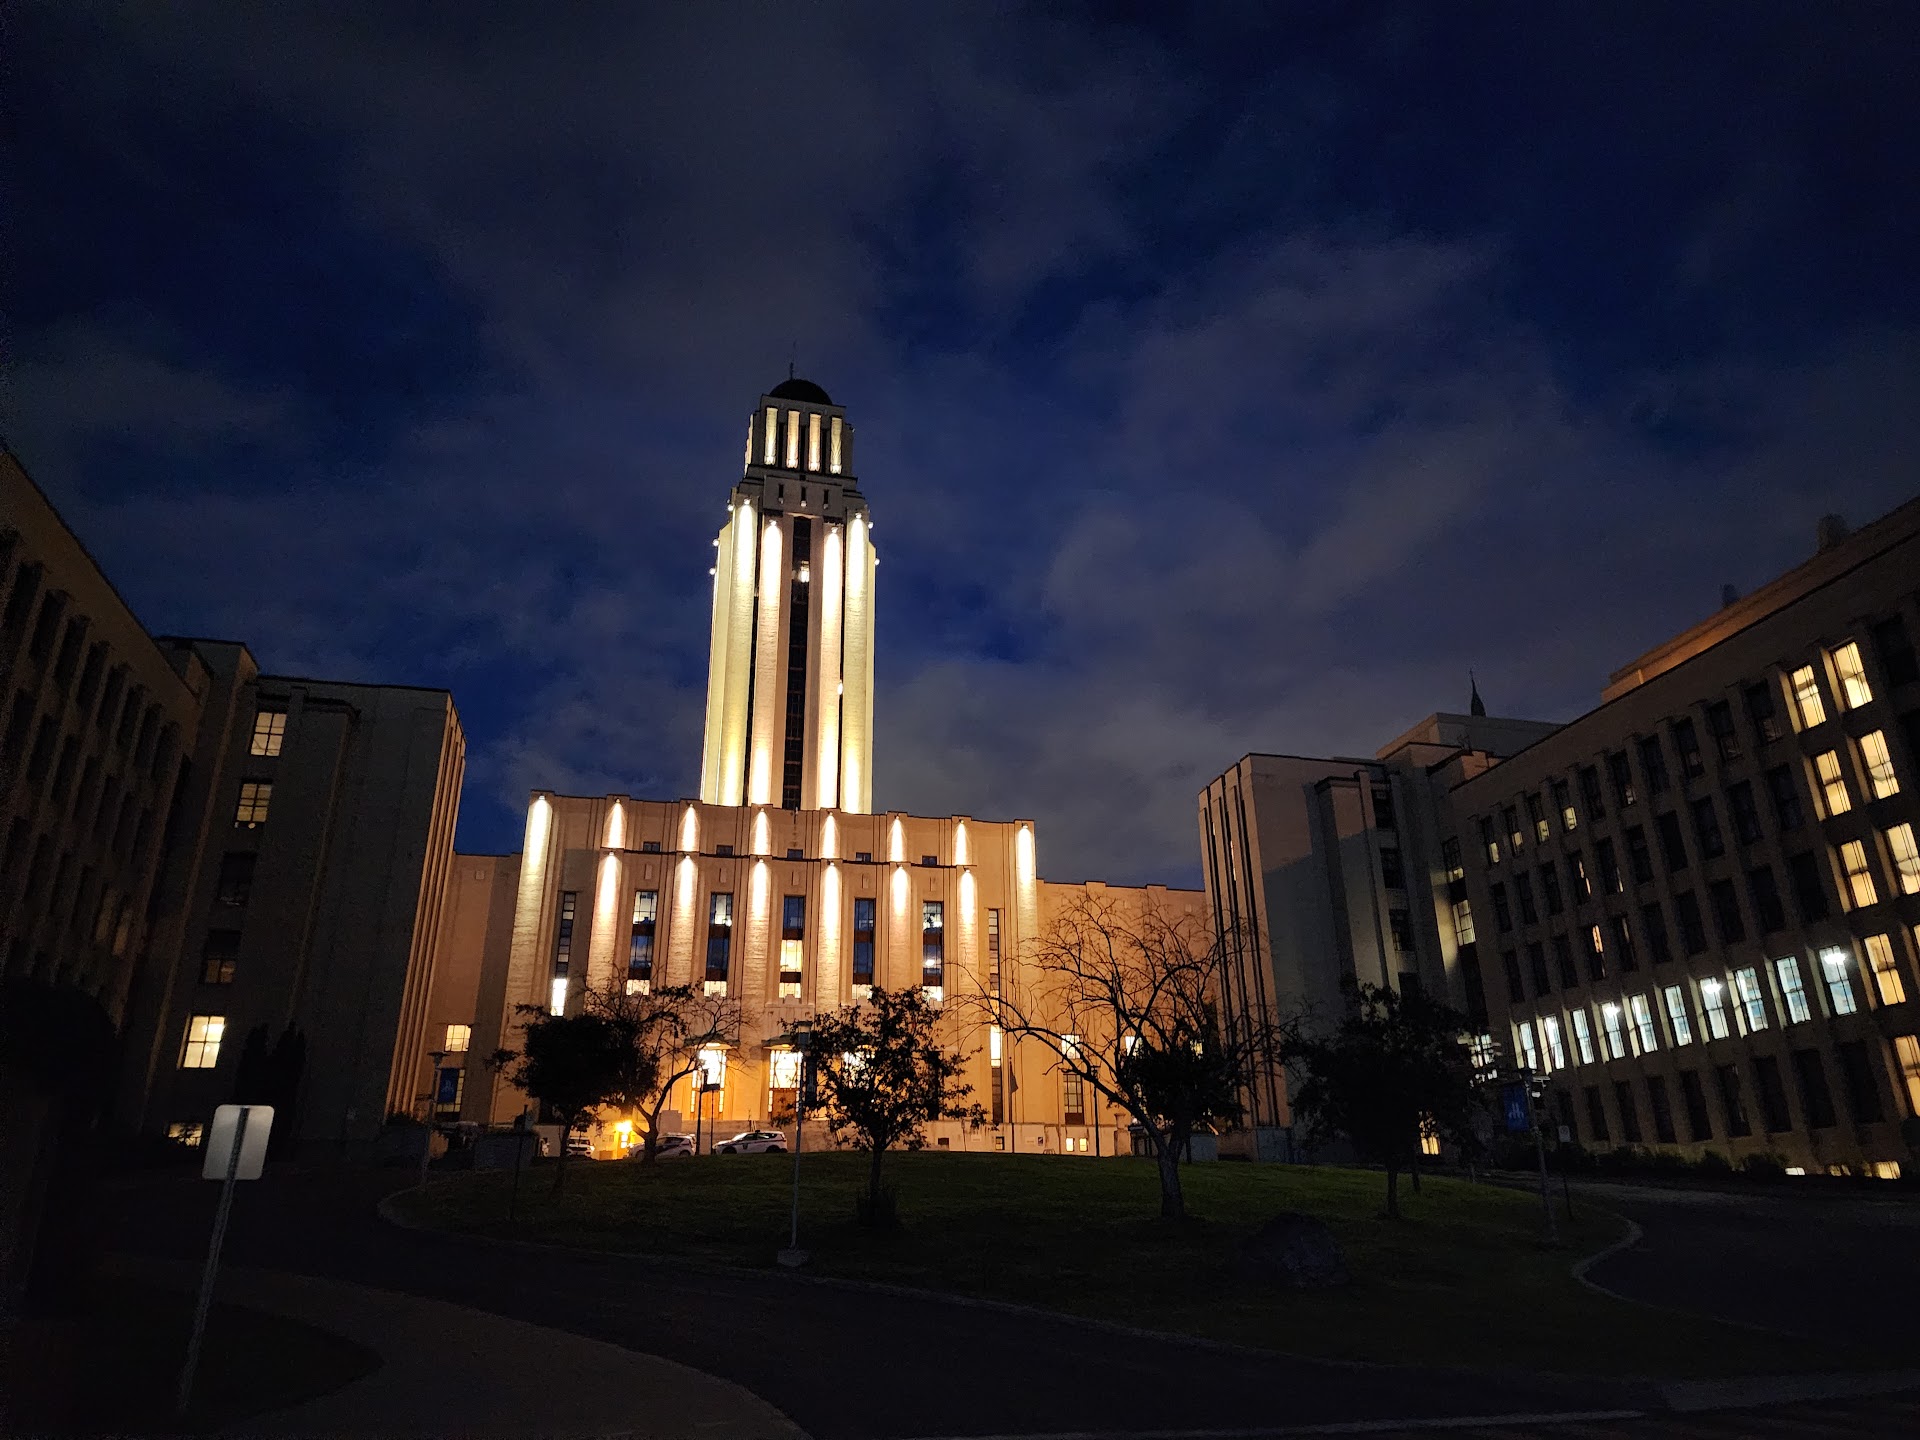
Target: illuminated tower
x,y
790,671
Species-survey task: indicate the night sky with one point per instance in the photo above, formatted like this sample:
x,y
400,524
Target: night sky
x,y
1222,383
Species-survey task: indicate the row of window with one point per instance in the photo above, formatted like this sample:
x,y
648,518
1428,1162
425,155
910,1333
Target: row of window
x,y
832,430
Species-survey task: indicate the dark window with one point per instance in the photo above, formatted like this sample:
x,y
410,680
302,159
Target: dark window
x,y
1726,912
796,852
1895,650
1563,962
1693,1098
1639,857
1816,1100
1620,773
1537,966
793,937
863,857
1502,911
1786,797
1673,847
1550,888
1856,1074
1400,926
1537,816
1393,869
1577,880
1590,792
723,850
1653,764
1516,989
650,847
220,957
1662,1109
1383,808
236,880
1766,899
1610,880
1773,1094
1655,924
799,591
933,942
1523,892
1726,741
1686,914
1746,813
1687,745
1629,1112
1732,1102
1622,937
563,934
862,941
1763,712
1450,859
1809,894
1593,946
929,860
719,936
646,909
1597,1114
1489,842
1563,802
1510,819
1706,829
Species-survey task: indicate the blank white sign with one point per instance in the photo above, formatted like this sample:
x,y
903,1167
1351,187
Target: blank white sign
x,y
226,1129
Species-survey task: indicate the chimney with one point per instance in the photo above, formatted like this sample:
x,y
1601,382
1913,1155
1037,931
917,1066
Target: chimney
x,y
1833,529
1728,595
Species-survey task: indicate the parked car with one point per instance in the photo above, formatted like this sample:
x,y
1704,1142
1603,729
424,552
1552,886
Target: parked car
x,y
753,1142
667,1147
579,1147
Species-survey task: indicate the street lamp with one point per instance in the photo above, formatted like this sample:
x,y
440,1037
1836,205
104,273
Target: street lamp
x,y
433,1094
802,1035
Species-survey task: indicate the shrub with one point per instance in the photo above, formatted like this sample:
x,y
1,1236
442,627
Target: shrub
x,y
1763,1167
1712,1162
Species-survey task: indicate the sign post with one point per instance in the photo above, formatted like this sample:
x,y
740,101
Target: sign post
x,y
793,1256
236,1150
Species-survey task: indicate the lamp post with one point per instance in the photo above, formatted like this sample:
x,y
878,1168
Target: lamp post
x,y
802,1033
433,1095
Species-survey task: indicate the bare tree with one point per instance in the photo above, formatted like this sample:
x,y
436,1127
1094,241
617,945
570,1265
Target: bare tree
x,y
1129,1001
660,1036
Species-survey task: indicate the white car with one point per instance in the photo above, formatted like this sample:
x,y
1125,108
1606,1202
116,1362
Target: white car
x,y
753,1142
667,1147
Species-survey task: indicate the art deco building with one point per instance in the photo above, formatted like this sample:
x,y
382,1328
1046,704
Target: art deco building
x,y
1698,902
776,887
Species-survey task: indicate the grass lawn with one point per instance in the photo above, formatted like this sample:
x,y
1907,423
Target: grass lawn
x,y
1460,1280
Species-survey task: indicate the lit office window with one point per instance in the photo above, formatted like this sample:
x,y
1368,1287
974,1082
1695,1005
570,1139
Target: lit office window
x,y
813,442
1887,983
1907,1049
1906,858
200,1049
458,1038
1563,802
1643,1026
1833,785
1793,991
1450,859
269,730
1463,922
1713,1009
713,1068
1550,1043
1489,842
1613,1031
255,798
1677,1022
1873,749
793,934
1853,676
1582,1035
1753,1000
1807,706
1853,860
1529,1055
1537,817
1836,968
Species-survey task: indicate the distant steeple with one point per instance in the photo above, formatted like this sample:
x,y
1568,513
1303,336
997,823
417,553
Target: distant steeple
x,y
1476,706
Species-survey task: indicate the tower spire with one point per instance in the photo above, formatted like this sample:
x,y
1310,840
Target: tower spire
x,y
1475,706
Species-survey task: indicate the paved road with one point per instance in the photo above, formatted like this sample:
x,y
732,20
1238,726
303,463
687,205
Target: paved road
x,y
845,1364
1833,1267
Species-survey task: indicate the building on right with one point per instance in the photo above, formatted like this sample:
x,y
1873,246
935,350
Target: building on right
x,y
1697,905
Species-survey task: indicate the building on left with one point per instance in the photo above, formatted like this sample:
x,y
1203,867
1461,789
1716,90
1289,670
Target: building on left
x,y
214,883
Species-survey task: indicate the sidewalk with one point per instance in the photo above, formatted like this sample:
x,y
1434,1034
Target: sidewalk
x,y
449,1370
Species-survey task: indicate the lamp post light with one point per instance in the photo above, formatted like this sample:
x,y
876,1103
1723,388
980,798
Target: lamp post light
x,y
793,1255
433,1095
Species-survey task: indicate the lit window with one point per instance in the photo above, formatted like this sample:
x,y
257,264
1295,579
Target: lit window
x,y
1853,676
996,1040
269,729
1550,1045
557,996
1643,1027
772,431
1853,860
1906,858
458,1038
1582,1035
1613,1031
933,947
713,1066
1713,1009
1836,968
201,1048
1873,749
1753,1001
1833,784
255,797
1886,970
813,442
833,446
187,1132
793,439
1907,1048
783,1069
1529,1056
1463,922
1807,706
1677,1022
1793,992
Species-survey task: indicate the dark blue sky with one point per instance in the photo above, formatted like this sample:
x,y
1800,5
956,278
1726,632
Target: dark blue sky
x,y
1225,380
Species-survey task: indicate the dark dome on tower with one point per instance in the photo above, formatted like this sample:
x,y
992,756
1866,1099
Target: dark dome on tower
x,y
796,389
